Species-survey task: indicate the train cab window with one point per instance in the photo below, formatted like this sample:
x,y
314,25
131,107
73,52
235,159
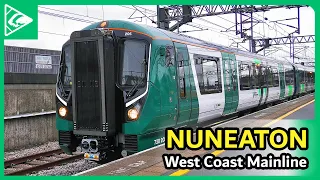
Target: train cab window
x,y
275,77
208,73
244,72
133,63
66,67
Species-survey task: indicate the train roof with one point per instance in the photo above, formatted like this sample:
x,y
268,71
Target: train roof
x,y
305,68
161,33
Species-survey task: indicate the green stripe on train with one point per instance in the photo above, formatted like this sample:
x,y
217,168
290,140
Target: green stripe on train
x,y
302,88
290,90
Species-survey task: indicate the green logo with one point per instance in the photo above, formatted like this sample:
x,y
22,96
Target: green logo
x,y
18,25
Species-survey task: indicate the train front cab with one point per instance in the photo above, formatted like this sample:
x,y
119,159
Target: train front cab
x,y
107,92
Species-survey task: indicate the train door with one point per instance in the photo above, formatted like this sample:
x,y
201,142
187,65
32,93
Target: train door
x,y
168,89
282,81
230,75
260,81
183,84
269,80
297,81
263,84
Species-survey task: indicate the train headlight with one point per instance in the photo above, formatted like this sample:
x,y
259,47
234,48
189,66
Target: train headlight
x,y
63,111
133,114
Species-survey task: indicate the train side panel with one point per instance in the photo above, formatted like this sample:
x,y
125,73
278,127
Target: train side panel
x,y
282,82
188,107
289,80
230,76
210,94
274,86
248,97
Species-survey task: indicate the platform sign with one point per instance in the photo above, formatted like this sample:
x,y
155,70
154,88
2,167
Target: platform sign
x,y
43,62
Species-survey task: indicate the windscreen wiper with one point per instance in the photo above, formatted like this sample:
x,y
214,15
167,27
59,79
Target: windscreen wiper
x,y
133,89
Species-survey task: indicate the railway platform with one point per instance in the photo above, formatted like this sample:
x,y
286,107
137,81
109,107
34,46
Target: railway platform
x,y
150,162
304,113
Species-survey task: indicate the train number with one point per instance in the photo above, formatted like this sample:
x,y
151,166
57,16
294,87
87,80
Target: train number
x,y
159,141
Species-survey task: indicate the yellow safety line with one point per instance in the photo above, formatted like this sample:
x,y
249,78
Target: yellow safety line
x,y
218,152
287,114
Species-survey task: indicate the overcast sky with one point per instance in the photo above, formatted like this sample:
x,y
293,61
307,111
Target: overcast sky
x,y
54,31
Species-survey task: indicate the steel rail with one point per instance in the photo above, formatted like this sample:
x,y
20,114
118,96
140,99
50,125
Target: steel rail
x,y
24,159
37,167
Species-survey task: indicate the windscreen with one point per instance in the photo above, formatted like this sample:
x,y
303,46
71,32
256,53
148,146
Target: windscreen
x,y
66,67
64,76
133,62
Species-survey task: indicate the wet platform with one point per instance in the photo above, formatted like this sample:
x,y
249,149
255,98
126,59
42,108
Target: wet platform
x,y
149,162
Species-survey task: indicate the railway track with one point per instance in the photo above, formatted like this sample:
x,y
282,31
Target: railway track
x,y
37,162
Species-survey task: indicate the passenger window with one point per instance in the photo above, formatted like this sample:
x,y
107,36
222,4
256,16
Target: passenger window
x,y
264,77
208,74
269,76
302,77
275,77
313,78
289,76
254,79
310,77
244,72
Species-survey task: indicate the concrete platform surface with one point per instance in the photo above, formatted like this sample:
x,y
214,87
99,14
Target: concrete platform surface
x,y
305,113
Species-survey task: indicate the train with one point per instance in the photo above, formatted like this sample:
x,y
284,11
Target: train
x,y
121,84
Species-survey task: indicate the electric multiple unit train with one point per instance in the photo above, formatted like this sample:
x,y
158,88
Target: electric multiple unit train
x,y
121,84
